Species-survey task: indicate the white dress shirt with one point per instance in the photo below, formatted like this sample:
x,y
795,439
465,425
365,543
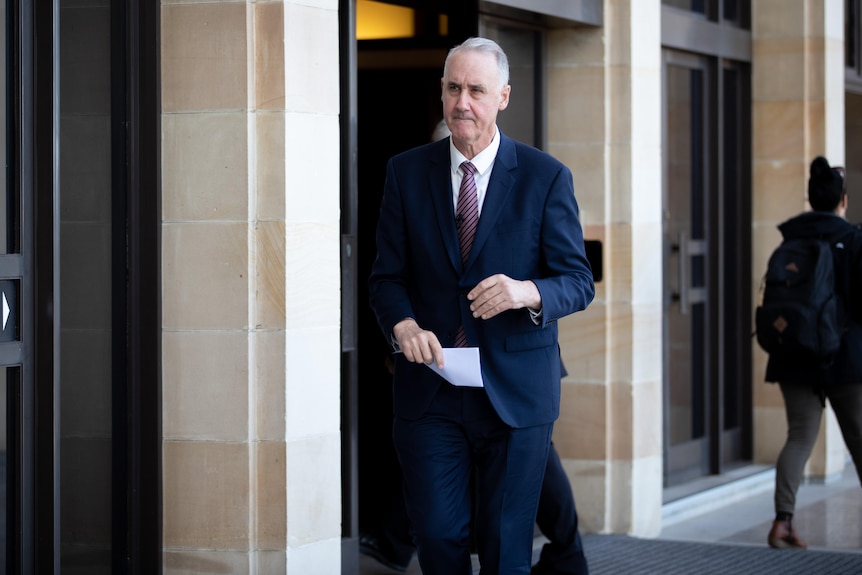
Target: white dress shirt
x,y
484,162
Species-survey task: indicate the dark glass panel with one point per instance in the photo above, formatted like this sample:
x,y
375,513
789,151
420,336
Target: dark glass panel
x,y
731,10
8,382
851,33
698,6
732,273
9,217
85,290
679,146
698,199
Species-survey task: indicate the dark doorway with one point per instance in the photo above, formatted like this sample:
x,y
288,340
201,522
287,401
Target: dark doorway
x,y
398,107
387,125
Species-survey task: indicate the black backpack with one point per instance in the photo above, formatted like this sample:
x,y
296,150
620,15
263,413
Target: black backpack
x,y
800,315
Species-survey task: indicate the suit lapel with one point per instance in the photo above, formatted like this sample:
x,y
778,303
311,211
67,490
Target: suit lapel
x,y
499,187
440,186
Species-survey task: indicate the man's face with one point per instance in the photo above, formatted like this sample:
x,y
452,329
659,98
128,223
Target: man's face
x,y
471,99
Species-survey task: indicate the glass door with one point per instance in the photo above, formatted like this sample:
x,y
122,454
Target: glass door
x,y
16,331
79,276
86,334
686,268
706,227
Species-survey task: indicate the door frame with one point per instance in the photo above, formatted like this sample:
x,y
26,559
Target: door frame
x,y
33,541
691,459
724,45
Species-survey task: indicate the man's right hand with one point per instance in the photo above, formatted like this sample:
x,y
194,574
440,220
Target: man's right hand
x,y
418,345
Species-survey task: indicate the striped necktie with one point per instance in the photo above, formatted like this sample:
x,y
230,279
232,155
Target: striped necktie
x,y
467,218
467,215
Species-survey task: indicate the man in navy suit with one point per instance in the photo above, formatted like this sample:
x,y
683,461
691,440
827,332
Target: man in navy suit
x,y
526,269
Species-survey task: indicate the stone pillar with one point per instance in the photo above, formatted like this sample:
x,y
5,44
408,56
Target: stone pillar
x,y
604,94
251,287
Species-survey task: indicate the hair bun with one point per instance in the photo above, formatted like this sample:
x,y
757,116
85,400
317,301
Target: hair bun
x,y
825,186
821,170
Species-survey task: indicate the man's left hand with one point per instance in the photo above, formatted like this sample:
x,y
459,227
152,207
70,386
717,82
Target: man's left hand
x,y
498,293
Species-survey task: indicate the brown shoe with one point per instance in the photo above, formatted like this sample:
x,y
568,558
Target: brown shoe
x,y
783,536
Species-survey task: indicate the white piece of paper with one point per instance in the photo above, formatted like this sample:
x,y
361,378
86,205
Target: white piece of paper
x,y
461,366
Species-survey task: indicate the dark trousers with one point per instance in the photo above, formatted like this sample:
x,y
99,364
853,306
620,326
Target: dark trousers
x,y
395,534
804,411
438,452
557,519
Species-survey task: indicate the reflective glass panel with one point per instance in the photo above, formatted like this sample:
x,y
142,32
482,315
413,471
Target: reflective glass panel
x,y
5,375
698,6
8,197
85,200
685,224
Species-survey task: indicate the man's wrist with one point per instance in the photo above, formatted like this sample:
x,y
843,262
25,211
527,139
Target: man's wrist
x,y
393,339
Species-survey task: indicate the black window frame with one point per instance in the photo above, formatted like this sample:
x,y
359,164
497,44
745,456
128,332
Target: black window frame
x,y
136,286
724,42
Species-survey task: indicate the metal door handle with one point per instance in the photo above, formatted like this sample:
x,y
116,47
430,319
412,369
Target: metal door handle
x,y
681,249
682,267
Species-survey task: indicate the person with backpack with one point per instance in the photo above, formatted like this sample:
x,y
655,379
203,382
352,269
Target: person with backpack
x,y
809,372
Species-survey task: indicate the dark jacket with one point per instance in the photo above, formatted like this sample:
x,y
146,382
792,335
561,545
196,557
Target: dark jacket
x,y
847,250
529,229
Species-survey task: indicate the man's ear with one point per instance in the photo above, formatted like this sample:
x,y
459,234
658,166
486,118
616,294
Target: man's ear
x,y
504,97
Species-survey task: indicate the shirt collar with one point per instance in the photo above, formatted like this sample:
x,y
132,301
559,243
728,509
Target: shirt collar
x,y
483,160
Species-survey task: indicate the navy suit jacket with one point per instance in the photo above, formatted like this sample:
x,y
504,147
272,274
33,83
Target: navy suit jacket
x,y
528,230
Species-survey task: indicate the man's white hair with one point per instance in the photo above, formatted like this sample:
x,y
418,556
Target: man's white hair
x,y
488,46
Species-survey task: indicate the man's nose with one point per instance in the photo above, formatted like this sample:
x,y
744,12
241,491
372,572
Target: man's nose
x,y
463,102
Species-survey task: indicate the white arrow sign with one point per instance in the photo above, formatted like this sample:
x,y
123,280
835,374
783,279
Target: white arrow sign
x,y
5,311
